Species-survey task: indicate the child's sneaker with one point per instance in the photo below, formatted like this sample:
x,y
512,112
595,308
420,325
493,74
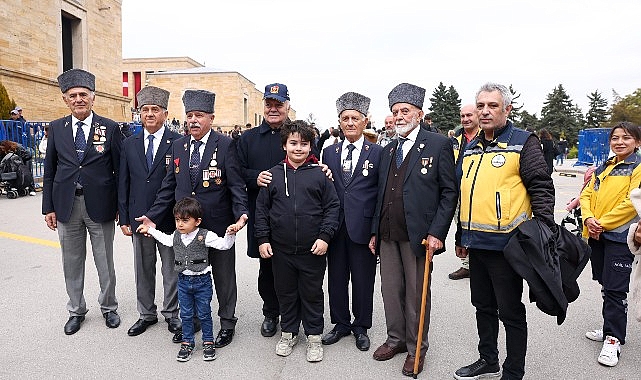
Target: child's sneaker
x,y
610,352
285,344
185,352
209,351
314,348
595,335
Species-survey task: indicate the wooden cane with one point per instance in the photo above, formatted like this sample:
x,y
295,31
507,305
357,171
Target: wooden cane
x,y
426,280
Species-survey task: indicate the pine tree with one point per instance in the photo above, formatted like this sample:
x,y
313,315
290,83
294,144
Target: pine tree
x,y
445,106
559,115
598,112
516,115
6,104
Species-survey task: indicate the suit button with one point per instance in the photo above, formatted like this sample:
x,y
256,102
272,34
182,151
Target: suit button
x,y
147,181
392,189
192,193
395,175
80,167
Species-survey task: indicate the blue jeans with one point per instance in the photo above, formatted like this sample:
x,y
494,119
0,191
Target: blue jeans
x,y
195,291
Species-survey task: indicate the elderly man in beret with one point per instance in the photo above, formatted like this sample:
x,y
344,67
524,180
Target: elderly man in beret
x,y
348,254
417,197
80,194
204,165
145,161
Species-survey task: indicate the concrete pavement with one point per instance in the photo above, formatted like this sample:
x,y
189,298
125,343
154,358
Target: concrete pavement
x,y
33,298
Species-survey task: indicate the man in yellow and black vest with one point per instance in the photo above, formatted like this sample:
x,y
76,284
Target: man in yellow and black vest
x,y
504,183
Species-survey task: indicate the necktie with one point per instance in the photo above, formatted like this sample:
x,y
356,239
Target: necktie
x,y
150,152
80,141
347,174
399,151
194,162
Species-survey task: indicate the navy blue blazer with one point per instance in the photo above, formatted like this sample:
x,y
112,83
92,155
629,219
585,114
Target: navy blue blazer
x,y
358,197
138,186
99,169
430,196
222,196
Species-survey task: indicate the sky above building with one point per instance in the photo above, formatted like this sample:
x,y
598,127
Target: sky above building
x,y
323,49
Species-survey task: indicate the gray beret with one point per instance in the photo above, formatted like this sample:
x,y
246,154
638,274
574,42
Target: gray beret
x,y
352,101
153,95
407,93
76,78
199,100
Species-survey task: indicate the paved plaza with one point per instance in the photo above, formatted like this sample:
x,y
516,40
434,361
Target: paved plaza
x,y
33,299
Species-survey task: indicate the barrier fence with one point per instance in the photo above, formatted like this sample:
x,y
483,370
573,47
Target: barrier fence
x,y
30,134
594,146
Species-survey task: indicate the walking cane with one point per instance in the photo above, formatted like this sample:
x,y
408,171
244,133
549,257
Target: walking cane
x,y
426,279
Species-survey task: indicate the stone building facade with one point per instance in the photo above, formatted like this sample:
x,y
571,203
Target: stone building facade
x,y
44,38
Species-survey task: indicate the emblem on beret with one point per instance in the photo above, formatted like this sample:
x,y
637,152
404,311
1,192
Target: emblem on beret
x,y
273,90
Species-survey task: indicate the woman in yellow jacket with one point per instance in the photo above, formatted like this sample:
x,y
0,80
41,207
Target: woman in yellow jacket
x,y
607,214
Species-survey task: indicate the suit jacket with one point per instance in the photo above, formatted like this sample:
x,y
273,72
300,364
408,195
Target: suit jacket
x,y
99,169
358,197
138,186
430,196
222,196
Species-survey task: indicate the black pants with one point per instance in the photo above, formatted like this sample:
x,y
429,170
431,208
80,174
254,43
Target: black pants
x,y
298,280
345,260
266,289
611,267
496,291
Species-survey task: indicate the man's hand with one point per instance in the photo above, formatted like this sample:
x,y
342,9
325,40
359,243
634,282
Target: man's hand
x,y
145,221
126,230
433,245
265,250
51,220
264,178
594,228
461,252
372,244
319,247
327,171
143,229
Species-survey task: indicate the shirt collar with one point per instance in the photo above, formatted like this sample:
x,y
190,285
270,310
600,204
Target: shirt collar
x,y
413,135
157,135
203,140
358,144
86,121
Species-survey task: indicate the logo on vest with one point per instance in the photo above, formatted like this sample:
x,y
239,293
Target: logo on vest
x,y
498,160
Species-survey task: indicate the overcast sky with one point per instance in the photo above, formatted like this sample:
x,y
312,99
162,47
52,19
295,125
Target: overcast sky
x,y
323,49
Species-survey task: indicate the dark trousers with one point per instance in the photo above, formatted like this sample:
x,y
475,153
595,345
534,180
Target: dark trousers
x,y
496,291
298,280
223,270
347,259
611,266
266,289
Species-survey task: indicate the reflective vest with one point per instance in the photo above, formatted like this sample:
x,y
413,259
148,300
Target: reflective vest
x,y
494,200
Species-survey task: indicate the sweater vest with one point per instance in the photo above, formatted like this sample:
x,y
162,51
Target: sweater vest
x,y
393,225
195,251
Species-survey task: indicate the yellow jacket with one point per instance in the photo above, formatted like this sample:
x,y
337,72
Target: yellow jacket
x,y
607,196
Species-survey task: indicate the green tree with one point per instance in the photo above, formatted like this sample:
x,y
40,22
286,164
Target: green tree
x,y
528,121
559,114
598,112
445,106
627,108
6,104
516,115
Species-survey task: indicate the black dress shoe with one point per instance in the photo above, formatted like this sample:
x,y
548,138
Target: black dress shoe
x,y
174,324
224,337
478,369
141,326
333,336
112,319
269,327
178,337
73,324
362,341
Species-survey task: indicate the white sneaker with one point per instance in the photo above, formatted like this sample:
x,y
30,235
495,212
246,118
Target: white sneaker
x,y
32,193
610,352
285,344
314,348
595,335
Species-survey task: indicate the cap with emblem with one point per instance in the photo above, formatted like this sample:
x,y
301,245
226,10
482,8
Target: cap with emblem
x,y
199,100
153,95
407,93
276,91
14,112
76,78
352,101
